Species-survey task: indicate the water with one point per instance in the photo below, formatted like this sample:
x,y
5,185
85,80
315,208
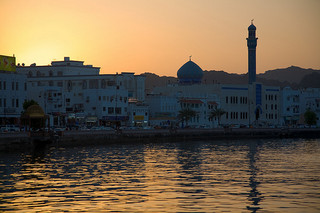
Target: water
x,y
199,176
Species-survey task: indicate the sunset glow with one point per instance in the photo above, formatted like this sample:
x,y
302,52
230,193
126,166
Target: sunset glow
x,y
158,36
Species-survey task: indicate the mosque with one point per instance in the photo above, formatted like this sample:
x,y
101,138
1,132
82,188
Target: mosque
x,y
251,104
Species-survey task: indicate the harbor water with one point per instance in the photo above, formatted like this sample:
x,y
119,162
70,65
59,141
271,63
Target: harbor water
x,y
270,175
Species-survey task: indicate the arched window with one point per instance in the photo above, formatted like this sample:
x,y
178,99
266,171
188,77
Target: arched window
x,y
29,74
38,73
103,84
84,84
69,85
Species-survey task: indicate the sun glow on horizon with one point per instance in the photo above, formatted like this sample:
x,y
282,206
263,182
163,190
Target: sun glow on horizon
x,y
158,36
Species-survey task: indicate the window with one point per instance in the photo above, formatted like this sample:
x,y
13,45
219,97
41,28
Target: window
x,y
4,85
25,86
110,110
226,99
118,110
84,84
104,109
0,102
17,103
12,103
50,73
5,102
0,85
67,99
17,85
12,85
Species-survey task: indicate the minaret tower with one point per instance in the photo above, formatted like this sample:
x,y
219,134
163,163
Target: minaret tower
x,y
252,44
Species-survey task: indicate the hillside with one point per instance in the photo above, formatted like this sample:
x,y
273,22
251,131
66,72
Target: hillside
x,y
293,76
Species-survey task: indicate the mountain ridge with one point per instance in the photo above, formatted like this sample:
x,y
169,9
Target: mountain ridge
x,y
293,76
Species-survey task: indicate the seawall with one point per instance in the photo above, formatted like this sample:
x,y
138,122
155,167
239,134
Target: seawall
x,y
76,138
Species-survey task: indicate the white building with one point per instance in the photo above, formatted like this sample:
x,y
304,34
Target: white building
x,y
13,93
138,113
78,88
251,104
310,99
296,102
291,109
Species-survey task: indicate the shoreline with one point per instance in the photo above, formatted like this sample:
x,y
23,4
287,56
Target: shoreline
x,y
13,141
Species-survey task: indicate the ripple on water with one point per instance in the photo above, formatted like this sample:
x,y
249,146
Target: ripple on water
x,y
252,176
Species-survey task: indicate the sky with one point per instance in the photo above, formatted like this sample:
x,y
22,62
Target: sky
x,y
158,36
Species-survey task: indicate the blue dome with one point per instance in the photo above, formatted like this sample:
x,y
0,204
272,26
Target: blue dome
x,y
252,27
190,73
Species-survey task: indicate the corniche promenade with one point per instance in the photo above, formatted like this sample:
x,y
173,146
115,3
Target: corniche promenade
x,y
22,140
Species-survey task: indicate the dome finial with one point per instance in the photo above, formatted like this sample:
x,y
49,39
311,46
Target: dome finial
x,y
190,57
252,21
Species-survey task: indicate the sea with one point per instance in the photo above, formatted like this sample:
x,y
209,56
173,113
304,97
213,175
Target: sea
x,y
267,175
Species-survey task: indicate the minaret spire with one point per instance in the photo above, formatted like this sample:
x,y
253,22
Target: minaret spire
x,y
252,44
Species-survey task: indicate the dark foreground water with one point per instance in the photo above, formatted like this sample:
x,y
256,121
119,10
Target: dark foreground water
x,y
199,176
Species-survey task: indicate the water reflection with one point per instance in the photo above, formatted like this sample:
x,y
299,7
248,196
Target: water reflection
x,y
199,176
254,196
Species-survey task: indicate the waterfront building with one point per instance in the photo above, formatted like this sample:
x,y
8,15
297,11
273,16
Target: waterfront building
x,y
296,102
13,91
250,104
291,109
67,88
138,113
163,109
310,99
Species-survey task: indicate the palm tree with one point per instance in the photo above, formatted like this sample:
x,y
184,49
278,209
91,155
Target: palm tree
x,y
217,113
186,114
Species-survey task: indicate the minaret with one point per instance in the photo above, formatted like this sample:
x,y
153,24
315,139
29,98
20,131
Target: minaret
x,y
252,44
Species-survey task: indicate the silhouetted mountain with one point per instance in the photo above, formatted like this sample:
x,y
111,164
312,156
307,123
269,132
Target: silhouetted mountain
x,y
311,80
294,77
153,80
291,74
221,77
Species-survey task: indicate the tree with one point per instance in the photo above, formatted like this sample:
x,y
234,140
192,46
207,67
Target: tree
x,y
310,117
186,114
217,113
28,103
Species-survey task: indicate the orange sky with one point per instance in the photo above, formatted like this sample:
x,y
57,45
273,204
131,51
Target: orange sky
x,y
159,35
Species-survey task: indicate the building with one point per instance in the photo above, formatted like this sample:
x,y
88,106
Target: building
x,y
67,88
13,91
291,109
250,104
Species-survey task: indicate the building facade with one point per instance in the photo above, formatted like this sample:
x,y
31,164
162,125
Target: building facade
x,y
67,87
